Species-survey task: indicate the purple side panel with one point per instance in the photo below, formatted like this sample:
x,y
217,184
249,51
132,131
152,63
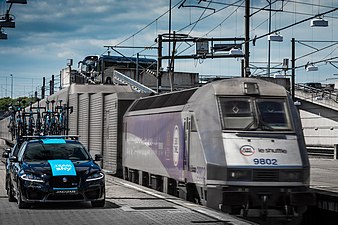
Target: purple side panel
x,y
164,135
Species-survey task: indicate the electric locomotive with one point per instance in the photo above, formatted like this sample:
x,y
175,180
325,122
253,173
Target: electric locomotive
x,y
233,144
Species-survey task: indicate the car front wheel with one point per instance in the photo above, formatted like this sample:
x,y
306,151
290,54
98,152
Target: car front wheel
x,y
21,204
11,197
100,203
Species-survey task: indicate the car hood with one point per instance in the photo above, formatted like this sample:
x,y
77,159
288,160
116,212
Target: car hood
x,y
48,167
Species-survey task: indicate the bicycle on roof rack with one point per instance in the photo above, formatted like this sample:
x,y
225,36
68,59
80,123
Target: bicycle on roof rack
x,y
37,120
16,125
70,137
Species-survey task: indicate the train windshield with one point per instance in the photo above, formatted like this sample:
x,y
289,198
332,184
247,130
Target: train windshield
x,y
89,63
264,114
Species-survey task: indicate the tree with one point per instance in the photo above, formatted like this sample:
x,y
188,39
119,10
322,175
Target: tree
x,y
4,102
7,101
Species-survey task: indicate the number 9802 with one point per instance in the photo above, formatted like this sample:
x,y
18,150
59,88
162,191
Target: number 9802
x,y
262,161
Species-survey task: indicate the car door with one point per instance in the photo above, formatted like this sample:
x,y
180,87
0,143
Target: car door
x,y
16,165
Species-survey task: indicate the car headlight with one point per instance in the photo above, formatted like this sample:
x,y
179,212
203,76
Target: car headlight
x,y
239,174
95,176
31,177
290,175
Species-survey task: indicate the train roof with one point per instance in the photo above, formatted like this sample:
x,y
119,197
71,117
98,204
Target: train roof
x,y
85,88
122,59
171,99
245,86
226,87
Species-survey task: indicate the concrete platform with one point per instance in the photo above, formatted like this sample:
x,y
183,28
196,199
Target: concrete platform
x,y
324,182
126,203
324,175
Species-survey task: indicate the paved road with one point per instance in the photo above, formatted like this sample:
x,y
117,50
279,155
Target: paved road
x,y
126,203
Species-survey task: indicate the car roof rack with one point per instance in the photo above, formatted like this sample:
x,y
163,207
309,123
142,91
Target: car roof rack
x,y
71,137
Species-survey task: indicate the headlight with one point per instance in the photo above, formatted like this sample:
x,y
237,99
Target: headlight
x,y
290,175
31,177
238,174
95,176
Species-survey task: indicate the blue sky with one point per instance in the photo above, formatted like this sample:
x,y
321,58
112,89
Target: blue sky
x,y
49,32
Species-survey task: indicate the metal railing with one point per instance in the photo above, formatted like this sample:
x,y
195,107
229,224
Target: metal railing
x,y
320,93
323,151
120,77
327,97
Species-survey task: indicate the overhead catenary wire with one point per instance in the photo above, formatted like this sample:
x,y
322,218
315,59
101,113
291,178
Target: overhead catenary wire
x,y
215,12
297,68
331,51
316,51
226,18
294,24
233,12
148,25
218,10
202,18
241,5
213,2
194,24
284,11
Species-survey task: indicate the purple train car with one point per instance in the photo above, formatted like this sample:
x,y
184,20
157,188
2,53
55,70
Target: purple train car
x,y
234,144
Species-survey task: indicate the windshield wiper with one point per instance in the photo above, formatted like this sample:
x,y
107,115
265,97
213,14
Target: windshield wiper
x,y
261,122
250,125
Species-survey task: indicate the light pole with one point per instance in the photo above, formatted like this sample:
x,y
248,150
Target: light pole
x,y
6,88
11,86
247,39
293,66
269,41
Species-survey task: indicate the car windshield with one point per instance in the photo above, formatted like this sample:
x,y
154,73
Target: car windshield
x,y
247,113
39,151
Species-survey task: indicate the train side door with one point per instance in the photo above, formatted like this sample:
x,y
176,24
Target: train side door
x,y
186,152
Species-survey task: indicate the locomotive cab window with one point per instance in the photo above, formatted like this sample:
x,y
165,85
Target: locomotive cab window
x,y
273,113
236,113
245,113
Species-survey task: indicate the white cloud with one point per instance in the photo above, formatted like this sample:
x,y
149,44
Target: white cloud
x,y
49,32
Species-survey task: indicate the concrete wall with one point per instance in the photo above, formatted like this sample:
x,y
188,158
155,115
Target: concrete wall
x,y
319,130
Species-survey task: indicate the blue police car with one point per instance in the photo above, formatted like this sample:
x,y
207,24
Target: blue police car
x,y
55,169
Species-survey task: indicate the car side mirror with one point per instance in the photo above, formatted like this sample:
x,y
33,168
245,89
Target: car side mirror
x,y
13,159
98,157
5,155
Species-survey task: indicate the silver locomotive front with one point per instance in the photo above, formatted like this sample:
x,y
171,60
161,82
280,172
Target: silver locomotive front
x,y
265,164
